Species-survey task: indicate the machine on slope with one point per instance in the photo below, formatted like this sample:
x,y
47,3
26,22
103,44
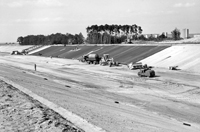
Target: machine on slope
x,y
106,60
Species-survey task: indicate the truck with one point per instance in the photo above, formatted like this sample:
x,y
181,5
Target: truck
x,y
16,53
91,58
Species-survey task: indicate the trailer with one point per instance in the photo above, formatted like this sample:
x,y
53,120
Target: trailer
x,y
133,66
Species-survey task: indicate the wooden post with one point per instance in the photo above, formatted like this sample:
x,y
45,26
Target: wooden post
x,y
35,66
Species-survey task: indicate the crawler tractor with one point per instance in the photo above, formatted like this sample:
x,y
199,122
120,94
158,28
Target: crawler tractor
x,y
146,72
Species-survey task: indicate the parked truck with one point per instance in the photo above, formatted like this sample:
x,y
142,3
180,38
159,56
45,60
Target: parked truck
x,y
16,53
91,58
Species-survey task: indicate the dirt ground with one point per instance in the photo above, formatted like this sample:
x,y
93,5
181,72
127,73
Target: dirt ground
x,y
115,98
20,113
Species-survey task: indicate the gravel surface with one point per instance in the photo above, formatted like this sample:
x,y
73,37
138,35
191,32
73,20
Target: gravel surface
x,y
20,113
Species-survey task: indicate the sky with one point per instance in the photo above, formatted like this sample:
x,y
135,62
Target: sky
x,y
34,17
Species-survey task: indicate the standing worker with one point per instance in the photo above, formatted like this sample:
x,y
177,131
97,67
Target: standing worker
x,y
35,66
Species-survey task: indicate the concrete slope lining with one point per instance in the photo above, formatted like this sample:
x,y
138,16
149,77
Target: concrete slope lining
x,y
138,53
76,54
104,50
49,51
186,57
38,49
63,51
122,54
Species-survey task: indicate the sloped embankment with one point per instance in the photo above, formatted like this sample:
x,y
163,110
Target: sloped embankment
x,y
121,53
186,57
10,48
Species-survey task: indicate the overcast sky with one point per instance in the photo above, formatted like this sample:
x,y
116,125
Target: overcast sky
x,y
33,17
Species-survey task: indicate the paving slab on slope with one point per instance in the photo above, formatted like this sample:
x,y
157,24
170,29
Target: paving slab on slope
x,y
105,50
79,52
39,49
64,50
49,51
123,54
133,54
127,54
184,56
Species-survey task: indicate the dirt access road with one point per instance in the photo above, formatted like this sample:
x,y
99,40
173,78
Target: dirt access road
x,y
114,99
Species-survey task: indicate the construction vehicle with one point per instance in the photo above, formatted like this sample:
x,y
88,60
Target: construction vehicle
x,y
91,58
106,60
173,68
16,53
128,41
133,65
24,52
146,72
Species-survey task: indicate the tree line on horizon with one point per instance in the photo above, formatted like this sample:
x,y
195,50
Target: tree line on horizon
x,y
110,34
116,34
103,34
57,38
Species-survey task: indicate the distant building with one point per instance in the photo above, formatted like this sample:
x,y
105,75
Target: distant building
x,y
197,35
194,35
185,33
149,35
166,34
156,35
169,35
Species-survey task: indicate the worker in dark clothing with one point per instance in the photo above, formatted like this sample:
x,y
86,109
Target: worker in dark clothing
x,y
35,66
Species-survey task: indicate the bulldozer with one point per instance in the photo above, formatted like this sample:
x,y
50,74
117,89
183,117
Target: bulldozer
x,y
146,72
106,60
